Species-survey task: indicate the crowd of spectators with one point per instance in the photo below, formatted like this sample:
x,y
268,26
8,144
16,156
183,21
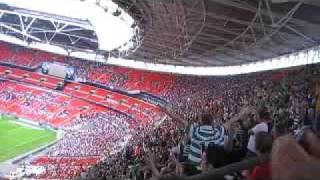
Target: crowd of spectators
x,y
97,131
211,122
91,136
233,118
36,104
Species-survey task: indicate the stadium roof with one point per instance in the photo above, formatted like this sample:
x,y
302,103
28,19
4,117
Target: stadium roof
x,y
74,25
225,32
174,35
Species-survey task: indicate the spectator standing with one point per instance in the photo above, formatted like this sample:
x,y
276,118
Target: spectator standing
x,y
205,134
261,126
202,136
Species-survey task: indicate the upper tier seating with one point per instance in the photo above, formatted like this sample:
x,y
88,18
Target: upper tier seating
x,y
129,79
118,77
21,56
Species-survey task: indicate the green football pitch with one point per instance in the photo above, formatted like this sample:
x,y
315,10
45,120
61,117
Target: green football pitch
x,y
16,139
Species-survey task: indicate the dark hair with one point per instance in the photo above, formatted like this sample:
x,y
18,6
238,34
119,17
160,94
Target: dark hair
x,y
206,119
263,142
264,114
216,156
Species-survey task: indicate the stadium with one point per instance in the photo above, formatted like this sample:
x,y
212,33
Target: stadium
x,y
159,90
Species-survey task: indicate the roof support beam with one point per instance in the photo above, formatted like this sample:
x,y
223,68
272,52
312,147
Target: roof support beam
x,y
227,31
253,9
20,32
85,25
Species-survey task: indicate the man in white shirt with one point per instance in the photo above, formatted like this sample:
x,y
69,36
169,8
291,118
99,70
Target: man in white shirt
x,y
262,126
